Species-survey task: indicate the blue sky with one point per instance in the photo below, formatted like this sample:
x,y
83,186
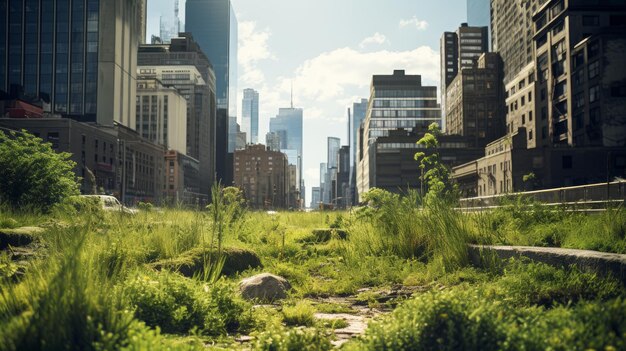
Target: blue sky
x,y
329,49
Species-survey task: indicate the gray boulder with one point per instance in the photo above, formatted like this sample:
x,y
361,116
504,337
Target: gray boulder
x,y
264,287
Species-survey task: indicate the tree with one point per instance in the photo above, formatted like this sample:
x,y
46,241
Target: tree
x,y
32,174
435,175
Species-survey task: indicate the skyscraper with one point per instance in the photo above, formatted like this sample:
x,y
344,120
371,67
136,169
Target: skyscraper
x,y
332,160
512,33
359,109
182,64
170,25
214,25
288,125
79,56
459,50
250,114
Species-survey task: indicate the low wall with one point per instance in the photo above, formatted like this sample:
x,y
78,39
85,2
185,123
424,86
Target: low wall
x,y
604,264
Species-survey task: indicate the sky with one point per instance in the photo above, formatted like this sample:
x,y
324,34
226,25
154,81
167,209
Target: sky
x,y
329,50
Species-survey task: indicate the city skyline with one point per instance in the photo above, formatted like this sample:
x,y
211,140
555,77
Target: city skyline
x,y
384,37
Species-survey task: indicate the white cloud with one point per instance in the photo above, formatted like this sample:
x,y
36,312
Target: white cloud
x,y
377,38
414,22
253,48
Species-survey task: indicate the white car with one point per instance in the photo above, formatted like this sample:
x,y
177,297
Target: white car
x,y
111,203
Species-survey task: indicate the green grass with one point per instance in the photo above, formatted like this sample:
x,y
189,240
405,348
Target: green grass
x,y
96,286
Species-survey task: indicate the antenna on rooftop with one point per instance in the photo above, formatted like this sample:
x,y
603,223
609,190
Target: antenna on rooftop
x,y
292,94
177,19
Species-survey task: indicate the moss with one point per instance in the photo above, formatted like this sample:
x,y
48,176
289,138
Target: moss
x,y
192,262
19,236
324,235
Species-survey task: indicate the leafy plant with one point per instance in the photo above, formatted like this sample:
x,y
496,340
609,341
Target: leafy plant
x,y
32,174
435,174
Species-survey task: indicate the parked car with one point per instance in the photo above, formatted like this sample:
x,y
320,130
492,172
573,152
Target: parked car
x,y
111,203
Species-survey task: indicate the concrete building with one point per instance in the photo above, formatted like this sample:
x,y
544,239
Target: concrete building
x,y
250,115
391,165
475,102
121,162
521,102
460,50
512,33
161,114
397,101
342,191
181,183
214,25
510,166
263,176
272,140
183,65
580,53
79,57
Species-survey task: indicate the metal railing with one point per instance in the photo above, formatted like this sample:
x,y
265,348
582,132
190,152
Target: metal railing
x,y
592,196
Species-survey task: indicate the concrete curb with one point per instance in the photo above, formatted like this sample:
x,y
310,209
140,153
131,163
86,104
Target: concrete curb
x,y
601,263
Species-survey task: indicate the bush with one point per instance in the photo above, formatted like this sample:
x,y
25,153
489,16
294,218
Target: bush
x,y
300,314
179,305
33,175
293,340
194,262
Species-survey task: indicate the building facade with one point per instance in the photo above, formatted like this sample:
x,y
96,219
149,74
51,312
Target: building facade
x,y
79,56
214,25
397,101
263,176
359,109
288,124
161,114
272,140
183,65
250,115
475,102
512,33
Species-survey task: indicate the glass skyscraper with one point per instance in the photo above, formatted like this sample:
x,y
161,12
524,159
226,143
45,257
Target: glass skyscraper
x,y
288,125
57,50
214,26
250,115
359,109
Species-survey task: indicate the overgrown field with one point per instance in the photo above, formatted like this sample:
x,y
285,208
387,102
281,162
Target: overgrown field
x,y
163,279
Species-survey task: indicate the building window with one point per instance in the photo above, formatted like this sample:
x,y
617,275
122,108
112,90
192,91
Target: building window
x,y
591,21
567,162
594,94
530,135
594,69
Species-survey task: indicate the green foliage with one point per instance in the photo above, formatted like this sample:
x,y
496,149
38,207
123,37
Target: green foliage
x,y
435,174
180,305
300,314
32,174
145,206
9,223
293,340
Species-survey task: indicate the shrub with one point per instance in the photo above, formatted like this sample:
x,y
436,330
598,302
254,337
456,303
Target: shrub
x,y
293,340
178,305
33,175
299,314
193,262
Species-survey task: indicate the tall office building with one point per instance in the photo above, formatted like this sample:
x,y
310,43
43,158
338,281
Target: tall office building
x,y
357,116
475,102
315,197
250,115
332,161
512,33
397,101
459,50
169,25
272,141
288,124
214,25
183,65
80,56
161,114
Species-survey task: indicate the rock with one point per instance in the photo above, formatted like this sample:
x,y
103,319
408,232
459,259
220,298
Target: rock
x,y
192,262
18,237
264,287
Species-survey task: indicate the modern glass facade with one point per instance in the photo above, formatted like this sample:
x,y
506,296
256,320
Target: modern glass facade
x,y
52,53
52,49
288,125
214,26
400,101
250,115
